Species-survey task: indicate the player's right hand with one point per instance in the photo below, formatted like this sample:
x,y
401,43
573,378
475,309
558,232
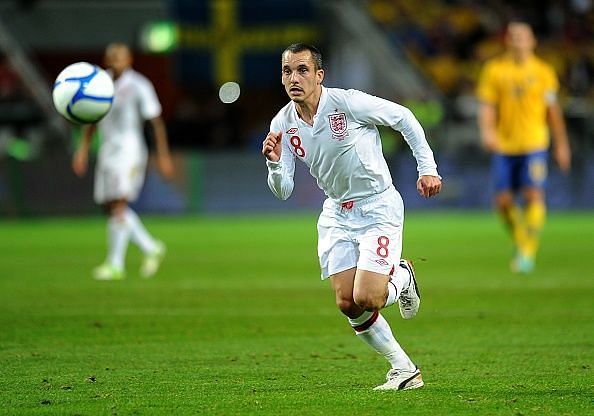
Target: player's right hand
x,y
271,147
489,142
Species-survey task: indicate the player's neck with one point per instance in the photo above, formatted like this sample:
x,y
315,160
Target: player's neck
x,y
521,57
308,108
118,74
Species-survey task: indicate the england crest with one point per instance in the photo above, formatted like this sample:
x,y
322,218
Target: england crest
x,y
338,125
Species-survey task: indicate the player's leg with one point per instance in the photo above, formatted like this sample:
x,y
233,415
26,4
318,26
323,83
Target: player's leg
x,y
107,194
154,250
512,216
339,254
504,173
118,236
378,290
382,278
369,325
535,215
372,328
337,260
532,179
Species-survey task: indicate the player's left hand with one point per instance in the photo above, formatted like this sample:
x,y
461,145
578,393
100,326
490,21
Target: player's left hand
x,y
428,185
562,156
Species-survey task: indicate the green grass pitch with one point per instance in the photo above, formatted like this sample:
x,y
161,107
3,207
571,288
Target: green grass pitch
x,y
238,322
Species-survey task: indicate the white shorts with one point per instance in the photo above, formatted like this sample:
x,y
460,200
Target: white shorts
x,y
366,234
120,178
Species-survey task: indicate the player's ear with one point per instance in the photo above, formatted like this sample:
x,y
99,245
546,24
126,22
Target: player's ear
x,y
320,76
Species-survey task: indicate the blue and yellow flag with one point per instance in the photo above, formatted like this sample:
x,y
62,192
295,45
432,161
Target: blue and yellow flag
x,y
233,40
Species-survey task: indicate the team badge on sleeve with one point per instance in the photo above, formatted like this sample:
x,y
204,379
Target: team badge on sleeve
x,y
338,125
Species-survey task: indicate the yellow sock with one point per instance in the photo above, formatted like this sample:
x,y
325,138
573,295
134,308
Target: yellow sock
x,y
514,221
534,217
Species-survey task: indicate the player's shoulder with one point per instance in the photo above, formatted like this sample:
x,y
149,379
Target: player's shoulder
x,y
341,93
137,77
496,68
345,97
497,62
543,65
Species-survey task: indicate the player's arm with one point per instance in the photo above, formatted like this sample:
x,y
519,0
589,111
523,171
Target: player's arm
x,y
487,93
164,162
369,109
281,165
80,160
487,122
561,149
429,182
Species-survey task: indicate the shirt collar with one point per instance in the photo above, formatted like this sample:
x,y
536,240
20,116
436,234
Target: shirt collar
x,y
321,104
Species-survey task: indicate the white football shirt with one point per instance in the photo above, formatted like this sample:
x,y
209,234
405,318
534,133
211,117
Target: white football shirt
x,y
135,101
343,149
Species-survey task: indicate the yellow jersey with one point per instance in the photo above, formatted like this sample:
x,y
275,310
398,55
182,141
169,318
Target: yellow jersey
x,y
521,94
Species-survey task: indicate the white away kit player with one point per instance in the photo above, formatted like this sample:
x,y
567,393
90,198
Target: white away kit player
x,y
333,131
121,163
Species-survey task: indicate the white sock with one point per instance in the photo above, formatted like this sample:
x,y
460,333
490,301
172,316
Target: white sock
x,y
118,237
399,281
376,332
138,233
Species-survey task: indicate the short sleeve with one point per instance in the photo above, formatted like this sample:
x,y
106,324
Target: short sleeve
x,y
487,89
551,80
150,107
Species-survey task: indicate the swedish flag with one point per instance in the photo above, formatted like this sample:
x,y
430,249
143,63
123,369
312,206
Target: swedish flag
x,y
233,40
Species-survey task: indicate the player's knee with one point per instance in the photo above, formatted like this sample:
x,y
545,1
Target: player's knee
x,y
346,306
504,201
368,301
114,208
533,195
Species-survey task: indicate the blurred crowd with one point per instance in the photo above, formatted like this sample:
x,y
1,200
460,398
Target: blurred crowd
x,y
449,40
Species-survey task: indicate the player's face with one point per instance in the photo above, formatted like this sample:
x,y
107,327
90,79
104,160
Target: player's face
x,y
520,38
118,59
299,75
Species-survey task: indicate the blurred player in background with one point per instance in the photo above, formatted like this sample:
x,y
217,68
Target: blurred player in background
x,y
518,95
333,131
121,163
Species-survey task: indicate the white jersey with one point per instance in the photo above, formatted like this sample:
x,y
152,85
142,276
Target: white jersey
x,y
135,101
343,149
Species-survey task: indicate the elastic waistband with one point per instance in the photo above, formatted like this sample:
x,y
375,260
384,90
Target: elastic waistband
x,y
348,205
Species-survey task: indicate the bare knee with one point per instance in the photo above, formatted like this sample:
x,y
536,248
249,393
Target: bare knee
x,y
348,307
369,301
370,290
504,201
532,195
115,208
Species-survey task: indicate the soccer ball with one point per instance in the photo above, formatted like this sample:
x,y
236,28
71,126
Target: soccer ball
x,y
83,93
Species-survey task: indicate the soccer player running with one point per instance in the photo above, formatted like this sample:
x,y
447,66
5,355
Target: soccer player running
x,y
518,95
333,131
121,163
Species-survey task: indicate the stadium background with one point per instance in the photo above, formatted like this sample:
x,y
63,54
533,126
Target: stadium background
x,y
425,55
237,321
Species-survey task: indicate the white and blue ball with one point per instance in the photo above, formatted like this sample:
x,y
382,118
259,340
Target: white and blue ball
x,y
83,93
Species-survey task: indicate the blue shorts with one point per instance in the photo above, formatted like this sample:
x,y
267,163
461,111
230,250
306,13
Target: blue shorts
x,y
512,173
